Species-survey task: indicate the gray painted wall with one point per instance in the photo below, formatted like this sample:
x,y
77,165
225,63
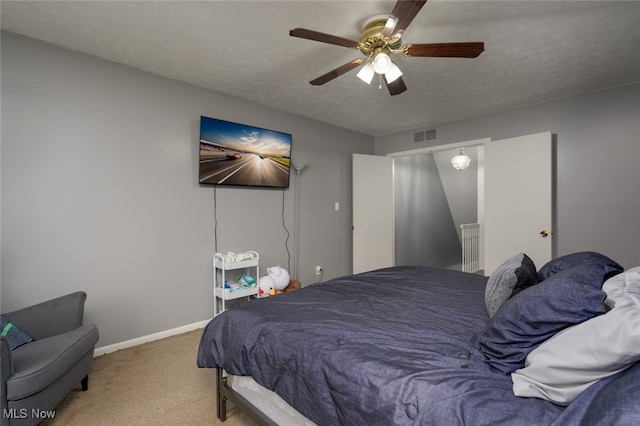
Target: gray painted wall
x,y
100,191
596,173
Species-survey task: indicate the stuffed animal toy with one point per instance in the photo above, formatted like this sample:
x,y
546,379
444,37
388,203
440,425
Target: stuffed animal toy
x,y
293,285
280,277
276,280
266,286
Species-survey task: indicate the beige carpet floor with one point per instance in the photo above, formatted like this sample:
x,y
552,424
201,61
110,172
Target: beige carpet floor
x,y
157,383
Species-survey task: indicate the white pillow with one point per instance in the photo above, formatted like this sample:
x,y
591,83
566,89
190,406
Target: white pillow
x,y
565,365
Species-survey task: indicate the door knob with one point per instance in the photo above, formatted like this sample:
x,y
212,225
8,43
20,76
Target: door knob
x,y
544,234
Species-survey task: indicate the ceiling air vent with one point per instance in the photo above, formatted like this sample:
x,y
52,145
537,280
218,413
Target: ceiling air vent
x,y
425,135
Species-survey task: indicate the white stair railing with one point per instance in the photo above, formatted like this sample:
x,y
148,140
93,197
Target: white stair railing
x,y
470,247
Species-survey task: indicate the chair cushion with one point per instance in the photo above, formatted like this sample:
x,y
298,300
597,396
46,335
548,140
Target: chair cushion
x,y
43,361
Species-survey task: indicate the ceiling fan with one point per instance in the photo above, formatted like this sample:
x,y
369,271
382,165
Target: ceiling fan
x,y
381,37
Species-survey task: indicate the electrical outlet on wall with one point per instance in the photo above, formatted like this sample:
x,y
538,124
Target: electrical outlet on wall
x,y
318,270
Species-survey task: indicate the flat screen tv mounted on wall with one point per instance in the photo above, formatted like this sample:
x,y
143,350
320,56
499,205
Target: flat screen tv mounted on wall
x,y
241,155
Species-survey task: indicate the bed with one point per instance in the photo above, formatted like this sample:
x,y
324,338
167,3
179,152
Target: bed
x,y
419,345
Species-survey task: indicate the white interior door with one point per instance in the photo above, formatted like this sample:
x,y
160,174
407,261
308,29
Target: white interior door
x,y
518,196
373,222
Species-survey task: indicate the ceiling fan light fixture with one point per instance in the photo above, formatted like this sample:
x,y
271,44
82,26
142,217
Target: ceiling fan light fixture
x,y
391,23
366,73
393,74
380,37
460,161
382,63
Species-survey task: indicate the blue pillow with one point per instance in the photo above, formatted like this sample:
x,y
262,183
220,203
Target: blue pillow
x,y
617,402
532,316
13,334
576,259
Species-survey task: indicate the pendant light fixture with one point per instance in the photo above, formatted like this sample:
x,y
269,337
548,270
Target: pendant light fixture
x,y
460,161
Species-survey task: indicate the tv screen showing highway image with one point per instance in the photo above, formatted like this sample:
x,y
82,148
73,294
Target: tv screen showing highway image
x,y
241,155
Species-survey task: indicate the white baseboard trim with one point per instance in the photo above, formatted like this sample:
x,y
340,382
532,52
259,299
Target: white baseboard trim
x,y
149,338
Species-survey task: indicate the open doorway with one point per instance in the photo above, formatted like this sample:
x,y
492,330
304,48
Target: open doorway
x,y
432,200
514,202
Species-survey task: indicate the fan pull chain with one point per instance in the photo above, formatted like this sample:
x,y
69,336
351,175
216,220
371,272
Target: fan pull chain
x,y
380,82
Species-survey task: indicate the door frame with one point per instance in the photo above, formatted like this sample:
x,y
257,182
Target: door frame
x,y
444,147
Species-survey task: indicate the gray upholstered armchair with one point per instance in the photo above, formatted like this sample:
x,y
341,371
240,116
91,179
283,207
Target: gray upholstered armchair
x,y
37,376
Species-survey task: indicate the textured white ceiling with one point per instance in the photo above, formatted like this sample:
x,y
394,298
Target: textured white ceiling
x,y
535,51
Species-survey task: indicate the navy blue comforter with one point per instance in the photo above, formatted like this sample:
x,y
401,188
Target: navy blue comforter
x,y
393,346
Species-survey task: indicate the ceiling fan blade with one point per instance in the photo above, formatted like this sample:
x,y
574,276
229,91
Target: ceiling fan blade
x,y
337,72
402,14
395,87
322,37
445,50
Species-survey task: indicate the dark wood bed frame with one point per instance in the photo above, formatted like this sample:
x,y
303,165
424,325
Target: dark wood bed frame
x,y
225,393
